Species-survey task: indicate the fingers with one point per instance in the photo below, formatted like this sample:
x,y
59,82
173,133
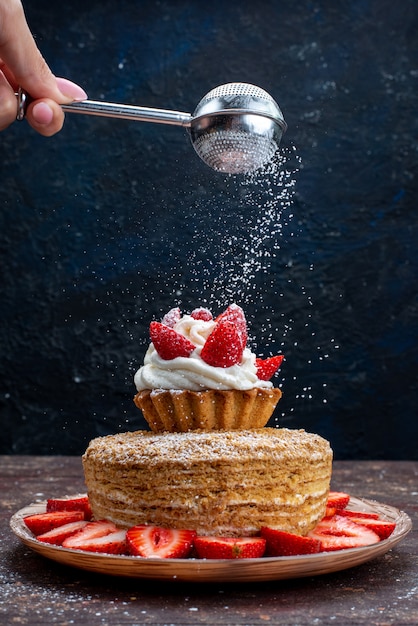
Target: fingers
x,y
45,116
23,65
8,103
21,56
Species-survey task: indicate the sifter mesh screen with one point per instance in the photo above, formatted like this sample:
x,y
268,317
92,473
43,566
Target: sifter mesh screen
x,y
238,89
235,152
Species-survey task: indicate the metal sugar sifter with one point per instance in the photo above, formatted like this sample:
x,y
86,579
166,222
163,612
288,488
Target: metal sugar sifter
x,y
236,128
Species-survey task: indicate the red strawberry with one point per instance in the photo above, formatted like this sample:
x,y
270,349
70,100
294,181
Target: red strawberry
x,y
168,343
157,542
339,533
40,523
113,543
235,314
229,547
90,538
362,514
202,314
381,527
57,535
223,347
281,543
171,318
267,367
338,499
79,503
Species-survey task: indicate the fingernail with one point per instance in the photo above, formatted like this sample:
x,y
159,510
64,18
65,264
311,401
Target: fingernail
x,y
42,113
71,90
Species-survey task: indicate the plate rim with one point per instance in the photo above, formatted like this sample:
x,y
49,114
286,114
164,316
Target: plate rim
x,y
218,570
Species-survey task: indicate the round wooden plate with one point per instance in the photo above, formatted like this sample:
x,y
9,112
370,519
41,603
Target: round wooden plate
x,y
236,570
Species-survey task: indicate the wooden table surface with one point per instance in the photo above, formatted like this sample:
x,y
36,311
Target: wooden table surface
x,y
34,590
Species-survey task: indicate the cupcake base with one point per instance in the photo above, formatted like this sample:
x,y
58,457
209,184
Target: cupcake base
x,y
182,410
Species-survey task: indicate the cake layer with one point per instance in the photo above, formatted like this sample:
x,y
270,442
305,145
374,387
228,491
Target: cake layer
x,y
217,483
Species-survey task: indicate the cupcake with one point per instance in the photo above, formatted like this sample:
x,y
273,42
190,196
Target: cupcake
x,y
199,373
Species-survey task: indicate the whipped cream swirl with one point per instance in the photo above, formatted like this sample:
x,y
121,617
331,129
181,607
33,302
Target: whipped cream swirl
x,y
192,372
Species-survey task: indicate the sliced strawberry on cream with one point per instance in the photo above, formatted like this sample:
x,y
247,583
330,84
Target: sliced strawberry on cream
x,y
267,367
168,343
235,314
156,542
223,347
201,313
171,318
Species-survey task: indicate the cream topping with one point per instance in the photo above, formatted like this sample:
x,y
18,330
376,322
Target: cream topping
x,y
192,372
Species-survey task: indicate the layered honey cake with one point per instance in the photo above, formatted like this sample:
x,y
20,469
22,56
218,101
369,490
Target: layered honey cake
x,y
227,483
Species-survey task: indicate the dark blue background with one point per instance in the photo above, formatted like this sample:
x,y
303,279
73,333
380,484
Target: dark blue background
x,y
110,223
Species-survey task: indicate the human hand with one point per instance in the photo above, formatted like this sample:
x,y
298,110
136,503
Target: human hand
x,y
21,64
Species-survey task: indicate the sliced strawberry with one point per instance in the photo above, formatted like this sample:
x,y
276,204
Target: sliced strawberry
x,y
362,514
339,533
79,503
113,543
40,523
171,318
92,530
157,542
57,535
202,314
168,343
330,511
338,499
267,367
282,543
381,527
229,547
235,314
223,347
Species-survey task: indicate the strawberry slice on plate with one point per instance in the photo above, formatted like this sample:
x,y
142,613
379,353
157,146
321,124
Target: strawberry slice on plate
x,y
362,514
223,347
100,536
76,503
340,533
338,499
157,542
283,543
267,367
381,527
168,343
229,547
57,535
40,523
